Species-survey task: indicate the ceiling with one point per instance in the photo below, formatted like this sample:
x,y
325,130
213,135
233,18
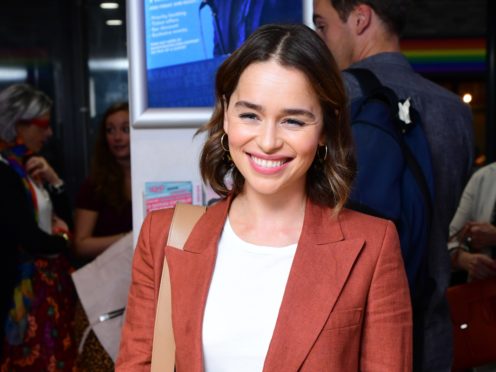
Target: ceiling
x,y
31,23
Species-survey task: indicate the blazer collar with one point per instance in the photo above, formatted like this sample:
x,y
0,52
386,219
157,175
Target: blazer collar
x,y
321,266
320,226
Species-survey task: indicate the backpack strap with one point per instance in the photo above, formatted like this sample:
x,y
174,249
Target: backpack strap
x,y
164,348
373,88
366,78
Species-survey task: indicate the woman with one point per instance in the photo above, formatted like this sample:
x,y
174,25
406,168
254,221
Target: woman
x,y
473,233
103,207
103,215
37,301
472,230
277,276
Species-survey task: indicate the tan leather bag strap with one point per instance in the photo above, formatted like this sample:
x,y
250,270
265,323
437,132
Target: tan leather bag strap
x,y
164,348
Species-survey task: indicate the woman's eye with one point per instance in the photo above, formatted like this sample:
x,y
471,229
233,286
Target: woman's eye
x,y
248,115
294,122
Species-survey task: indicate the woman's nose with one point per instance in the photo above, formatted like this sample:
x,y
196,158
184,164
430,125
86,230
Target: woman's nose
x,y
117,135
269,138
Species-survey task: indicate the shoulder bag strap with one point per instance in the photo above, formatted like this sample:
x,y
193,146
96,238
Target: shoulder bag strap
x,y
164,348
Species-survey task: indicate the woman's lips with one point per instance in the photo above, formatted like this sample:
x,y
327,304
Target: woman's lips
x,y
268,166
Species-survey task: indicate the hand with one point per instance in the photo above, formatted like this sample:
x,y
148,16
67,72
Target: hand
x,y
59,225
478,265
479,234
38,168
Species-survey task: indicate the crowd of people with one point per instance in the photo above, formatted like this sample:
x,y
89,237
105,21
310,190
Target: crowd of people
x,y
281,273
42,318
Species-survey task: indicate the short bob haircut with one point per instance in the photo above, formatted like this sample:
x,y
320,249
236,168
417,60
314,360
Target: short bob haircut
x,y
297,47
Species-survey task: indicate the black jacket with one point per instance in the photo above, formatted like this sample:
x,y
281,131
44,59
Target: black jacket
x,y
18,228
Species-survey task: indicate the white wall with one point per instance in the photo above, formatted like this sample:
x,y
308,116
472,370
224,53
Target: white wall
x,y
161,155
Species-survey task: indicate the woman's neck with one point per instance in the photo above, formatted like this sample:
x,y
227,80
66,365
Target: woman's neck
x,y
268,219
125,165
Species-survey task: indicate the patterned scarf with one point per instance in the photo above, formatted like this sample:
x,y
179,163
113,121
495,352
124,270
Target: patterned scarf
x,y
16,156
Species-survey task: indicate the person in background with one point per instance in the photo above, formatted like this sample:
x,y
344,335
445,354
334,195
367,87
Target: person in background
x,y
473,232
365,34
103,216
103,207
37,296
277,275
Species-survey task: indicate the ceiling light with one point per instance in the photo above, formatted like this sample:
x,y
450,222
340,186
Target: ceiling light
x,y
13,74
109,5
108,64
467,98
114,22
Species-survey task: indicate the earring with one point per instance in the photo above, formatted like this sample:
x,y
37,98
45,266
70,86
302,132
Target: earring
x,y
319,153
224,147
227,154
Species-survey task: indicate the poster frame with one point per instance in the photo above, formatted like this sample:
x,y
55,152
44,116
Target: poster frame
x,y
143,116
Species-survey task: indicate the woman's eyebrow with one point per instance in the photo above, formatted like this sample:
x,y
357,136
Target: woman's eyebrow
x,y
249,105
288,111
299,112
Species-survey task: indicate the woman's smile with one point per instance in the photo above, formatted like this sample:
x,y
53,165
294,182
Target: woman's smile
x,y
268,166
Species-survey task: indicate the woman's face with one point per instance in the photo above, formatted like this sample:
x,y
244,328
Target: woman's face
x,y
274,123
33,134
117,134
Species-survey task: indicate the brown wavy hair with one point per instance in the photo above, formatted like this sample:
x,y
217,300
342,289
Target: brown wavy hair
x,y
106,174
295,46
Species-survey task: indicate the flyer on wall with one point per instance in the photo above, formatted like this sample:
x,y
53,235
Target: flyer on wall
x,y
165,194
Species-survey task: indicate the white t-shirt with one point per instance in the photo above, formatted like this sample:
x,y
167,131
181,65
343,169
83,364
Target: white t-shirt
x,y
243,303
45,209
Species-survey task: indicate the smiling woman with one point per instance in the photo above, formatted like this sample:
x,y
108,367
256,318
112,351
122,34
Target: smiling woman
x,y
277,276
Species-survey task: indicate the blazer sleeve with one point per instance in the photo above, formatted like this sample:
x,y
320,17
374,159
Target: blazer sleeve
x,y
387,333
137,333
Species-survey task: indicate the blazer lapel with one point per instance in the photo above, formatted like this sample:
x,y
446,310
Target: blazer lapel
x,y
321,266
191,272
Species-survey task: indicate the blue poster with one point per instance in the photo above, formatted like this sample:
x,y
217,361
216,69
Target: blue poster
x,y
187,40
177,32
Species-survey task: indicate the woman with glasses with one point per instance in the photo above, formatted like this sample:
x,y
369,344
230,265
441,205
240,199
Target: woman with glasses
x,y
37,301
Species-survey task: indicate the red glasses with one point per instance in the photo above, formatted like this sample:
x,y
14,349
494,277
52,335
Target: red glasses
x,y
39,122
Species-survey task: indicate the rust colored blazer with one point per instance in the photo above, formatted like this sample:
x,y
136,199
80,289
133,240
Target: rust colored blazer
x,y
346,306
